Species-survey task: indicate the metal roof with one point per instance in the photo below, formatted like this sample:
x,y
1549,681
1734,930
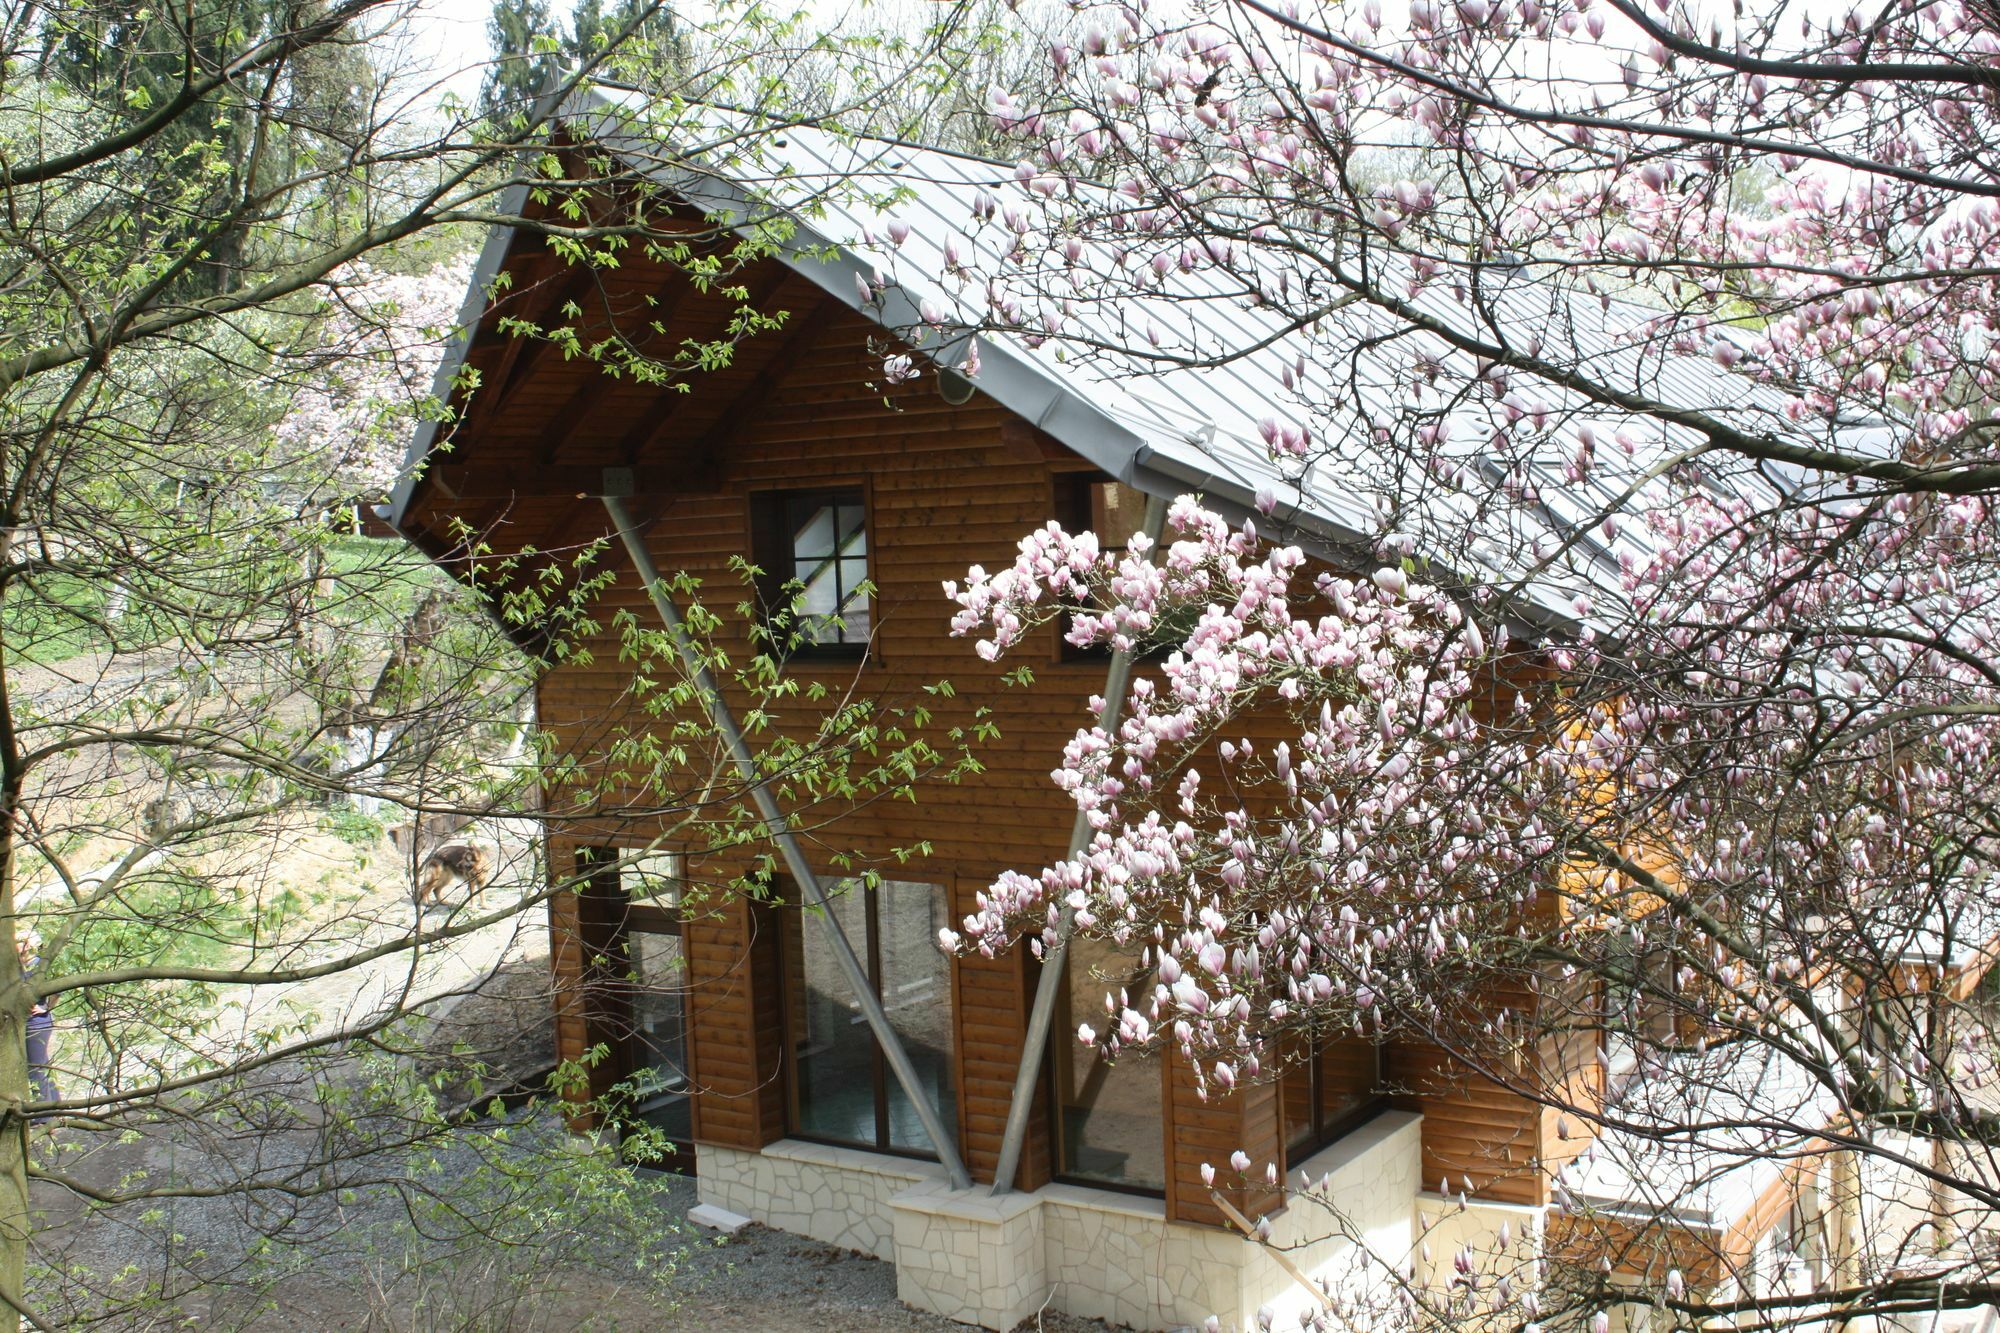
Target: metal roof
x,y
1169,426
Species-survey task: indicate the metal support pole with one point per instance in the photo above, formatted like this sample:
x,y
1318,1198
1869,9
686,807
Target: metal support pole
x,y
788,843
1044,1012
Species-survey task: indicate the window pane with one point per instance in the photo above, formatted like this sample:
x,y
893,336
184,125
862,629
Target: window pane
x,y
1295,1098
853,531
853,573
856,621
1111,1124
1347,1078
654,879
916,994
833,1051
821,588
812,533
1117,511
659,1017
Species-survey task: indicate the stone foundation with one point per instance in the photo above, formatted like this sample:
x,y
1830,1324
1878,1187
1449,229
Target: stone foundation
x,y
837,1195
994,1262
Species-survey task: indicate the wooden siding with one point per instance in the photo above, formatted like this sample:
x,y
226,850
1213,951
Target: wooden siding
x,y
947,487
1206,1131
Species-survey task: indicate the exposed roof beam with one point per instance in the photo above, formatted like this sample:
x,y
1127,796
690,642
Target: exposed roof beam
x,y
466,481
518,366
758,392
649,430
665,304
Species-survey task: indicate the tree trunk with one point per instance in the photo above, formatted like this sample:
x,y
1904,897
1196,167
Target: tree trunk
x,y
363,725
15,1093
14,1089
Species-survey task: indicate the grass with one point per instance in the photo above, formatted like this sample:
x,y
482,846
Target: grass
x,y
54,617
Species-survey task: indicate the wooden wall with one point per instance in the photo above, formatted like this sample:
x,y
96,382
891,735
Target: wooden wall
x,y
947,487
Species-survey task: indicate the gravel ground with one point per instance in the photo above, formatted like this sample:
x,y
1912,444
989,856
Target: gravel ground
x,y
355,1264
501,1225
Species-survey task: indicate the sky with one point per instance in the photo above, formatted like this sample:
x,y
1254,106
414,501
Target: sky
x,y
446,46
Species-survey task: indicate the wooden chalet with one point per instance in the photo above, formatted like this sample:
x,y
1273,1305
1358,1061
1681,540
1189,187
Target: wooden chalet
x,y
734,1022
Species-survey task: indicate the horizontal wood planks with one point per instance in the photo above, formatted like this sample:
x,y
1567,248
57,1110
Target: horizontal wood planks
x,y
946,488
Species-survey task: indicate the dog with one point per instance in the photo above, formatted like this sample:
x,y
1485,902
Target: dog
x,y
443,859
466,863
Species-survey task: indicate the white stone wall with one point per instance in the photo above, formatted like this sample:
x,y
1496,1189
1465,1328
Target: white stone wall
x,y
1095,1253
1444,1226
1353,1229
969,1256
837,1195
1116,1257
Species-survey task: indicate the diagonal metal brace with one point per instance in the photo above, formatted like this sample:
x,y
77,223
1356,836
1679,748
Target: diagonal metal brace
x,y
781,833
1036,1045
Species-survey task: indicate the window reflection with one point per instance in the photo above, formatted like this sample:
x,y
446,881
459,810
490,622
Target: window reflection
x,y
1110,1127
843,1090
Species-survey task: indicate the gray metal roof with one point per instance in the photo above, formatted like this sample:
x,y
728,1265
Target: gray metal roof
x,y
1168,426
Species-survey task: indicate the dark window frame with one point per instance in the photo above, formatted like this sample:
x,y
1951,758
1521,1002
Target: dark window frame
x,y
1637,1011
879,1071
1072,509
609,973
1322,1130
773,550
1059,1144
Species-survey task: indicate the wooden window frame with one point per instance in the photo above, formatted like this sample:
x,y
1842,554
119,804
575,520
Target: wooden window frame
x,y
1071,508
771,550
1324,1131
1057,1050
607,965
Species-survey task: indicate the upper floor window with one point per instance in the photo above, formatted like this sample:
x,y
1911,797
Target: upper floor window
x,y
1091,501
813,549
1111,509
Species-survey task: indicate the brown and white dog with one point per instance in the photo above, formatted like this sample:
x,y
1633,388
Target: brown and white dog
x,y
443,859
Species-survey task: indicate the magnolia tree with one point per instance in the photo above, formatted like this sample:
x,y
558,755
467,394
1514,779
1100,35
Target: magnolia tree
x,y
368,373
1622,589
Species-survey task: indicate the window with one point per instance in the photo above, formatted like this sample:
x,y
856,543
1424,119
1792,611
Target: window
x,y
812,547
1792,1246
1111,509
1109,1129
1327,1089
636,968
842,1089
1638,1015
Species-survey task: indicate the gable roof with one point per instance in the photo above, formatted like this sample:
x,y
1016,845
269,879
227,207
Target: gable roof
x,y
1196,420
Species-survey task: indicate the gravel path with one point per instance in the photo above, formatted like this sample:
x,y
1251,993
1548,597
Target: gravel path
x,y
355,1264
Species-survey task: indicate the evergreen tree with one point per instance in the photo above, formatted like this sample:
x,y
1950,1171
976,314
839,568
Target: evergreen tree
x,y
655,41
191,178
526,51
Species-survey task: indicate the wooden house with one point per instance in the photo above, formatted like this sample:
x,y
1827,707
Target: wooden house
x,y
734,1020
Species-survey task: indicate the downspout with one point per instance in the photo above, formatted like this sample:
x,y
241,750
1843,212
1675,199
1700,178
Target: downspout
x,y
788,843
1044,1011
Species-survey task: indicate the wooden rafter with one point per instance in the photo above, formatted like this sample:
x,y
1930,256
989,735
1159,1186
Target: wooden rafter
x,y
761,388
520,360
649,430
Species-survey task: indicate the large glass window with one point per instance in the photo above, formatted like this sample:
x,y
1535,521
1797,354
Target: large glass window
x,y
1328,1087
842,1088
660,1083
638,960
813,549
1109,1127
